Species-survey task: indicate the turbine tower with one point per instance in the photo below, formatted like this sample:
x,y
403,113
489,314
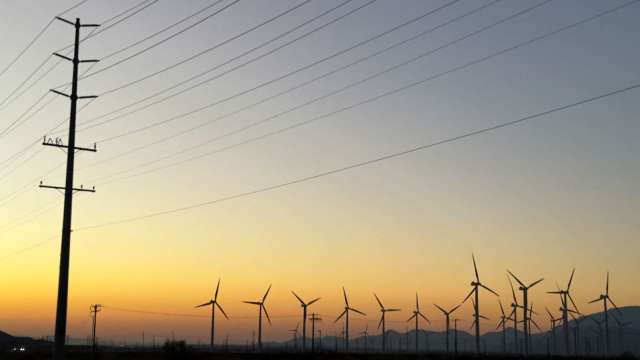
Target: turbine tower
x,y
553,321
417,315
345,313
476,285
304,318
261,308
503,324
447,315
565,296
605,303
514,316
314,317
531,321
525,304
294,332
365,333
383,312
214,303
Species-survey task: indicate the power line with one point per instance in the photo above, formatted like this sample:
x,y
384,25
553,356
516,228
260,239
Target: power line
x,y
215,77
133,11
192,57
322,76
363,163
38,35
349,86
110,66
346,108
125,48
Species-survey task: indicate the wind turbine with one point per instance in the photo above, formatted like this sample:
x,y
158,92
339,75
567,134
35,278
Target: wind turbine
x,y
214,303
503,324
553,321
383,312
605,302
525,303
473,323
417,315
345,313
476,285
514,316
295,336
447,314
365,333
314,317
261,308
565,296
304,318
531,321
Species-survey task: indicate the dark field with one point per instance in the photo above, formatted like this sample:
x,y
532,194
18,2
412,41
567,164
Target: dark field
x,y
268,356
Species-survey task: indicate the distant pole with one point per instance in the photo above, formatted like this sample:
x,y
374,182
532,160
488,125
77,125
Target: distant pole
x,y
63,276
94,316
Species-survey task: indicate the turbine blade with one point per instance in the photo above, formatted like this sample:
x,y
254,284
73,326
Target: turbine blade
x,y
378,300
412,316
298,297
205,304
614,305
513,292
344,292
607,287
392,309
472,324
554,292
425,318
501,308
253,302
454,309
475,268
516,278
573,302
500,323
215,297
549,312
312,301
417,304
267,293
441,309
536,324
266,313
536,283
487,288
595,300
381,320
571,279
483,317
222,310
341,315
358,311
468,296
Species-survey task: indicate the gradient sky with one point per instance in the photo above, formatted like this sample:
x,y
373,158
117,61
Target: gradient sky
x,y
539,198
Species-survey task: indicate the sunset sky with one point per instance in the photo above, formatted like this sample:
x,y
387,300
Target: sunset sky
x,y
539,198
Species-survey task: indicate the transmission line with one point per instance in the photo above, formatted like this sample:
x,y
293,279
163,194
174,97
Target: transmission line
x,y
289,90
364,163
110,66
346,108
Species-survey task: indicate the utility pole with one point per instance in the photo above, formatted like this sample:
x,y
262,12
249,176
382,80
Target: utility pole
x,y
95,309
314,317
63,279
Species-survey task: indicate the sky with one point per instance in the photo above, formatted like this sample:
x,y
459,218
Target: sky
x,y
539,198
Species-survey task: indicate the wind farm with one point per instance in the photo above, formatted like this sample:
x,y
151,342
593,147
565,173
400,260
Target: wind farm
x,y
234,179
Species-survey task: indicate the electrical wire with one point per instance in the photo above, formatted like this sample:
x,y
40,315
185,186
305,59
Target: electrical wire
x,y
289,90
363,163
136,54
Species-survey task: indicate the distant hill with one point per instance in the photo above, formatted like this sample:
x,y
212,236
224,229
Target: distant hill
x,y
590,340
8,341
